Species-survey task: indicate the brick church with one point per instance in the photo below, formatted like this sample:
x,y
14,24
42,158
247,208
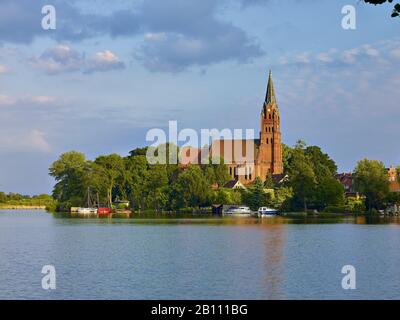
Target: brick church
x,y
262,157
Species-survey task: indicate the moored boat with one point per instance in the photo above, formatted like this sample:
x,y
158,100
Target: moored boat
x,y
239,212
87,210
267,212
103,211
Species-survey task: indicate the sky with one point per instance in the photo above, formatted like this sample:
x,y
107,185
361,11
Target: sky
x,y
112,70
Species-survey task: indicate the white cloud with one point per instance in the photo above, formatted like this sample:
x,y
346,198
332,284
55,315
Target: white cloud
x,y
103,61
6,100
381,52
33,140
36,139
42,99
4,69
62,59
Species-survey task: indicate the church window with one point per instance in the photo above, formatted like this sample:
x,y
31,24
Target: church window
x,y
270,116
267,140
230,171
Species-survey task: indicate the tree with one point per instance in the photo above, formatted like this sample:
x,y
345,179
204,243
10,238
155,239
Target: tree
x,y
216,172
322,163
396,9
302,177
256,197
286,155
3,197
398,174
71,173
329,192
370,179
191,189
136,174
269,182
106,171
155,186
226,196
138,152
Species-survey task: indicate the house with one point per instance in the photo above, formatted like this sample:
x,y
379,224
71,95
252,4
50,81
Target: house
x,y
234,184
394,184
347,181
280,178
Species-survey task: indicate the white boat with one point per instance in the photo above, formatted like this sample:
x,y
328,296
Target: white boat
x,y
239,211
87,210
267,212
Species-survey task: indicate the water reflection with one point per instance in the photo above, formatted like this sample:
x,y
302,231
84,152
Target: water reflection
x,y
160,218
274,243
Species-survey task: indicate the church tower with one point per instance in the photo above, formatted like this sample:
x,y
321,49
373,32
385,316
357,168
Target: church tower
x,y
270,149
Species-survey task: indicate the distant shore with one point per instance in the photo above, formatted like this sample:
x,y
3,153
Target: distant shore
x,y
20,207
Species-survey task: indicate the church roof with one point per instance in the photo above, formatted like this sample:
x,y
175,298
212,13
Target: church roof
x,y
270,95
226,149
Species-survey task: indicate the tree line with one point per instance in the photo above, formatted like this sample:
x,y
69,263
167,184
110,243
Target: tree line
x,y
311,183
25,200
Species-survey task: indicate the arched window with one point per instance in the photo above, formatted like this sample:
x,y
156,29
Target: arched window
x,y
230,171
270,116
267,140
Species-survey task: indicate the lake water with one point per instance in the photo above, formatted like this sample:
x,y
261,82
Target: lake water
x,y
197,258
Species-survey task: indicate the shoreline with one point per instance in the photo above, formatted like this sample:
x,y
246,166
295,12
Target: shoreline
x,y
21,207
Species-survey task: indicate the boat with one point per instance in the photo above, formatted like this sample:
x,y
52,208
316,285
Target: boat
x,y
103,211
239,211
267,212
87,210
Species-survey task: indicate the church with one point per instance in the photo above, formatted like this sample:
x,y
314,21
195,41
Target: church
x,y
248,159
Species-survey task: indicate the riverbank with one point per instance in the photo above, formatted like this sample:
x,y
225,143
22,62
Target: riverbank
x,y
21,207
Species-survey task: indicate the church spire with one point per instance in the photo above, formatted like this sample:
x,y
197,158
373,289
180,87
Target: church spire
x,y
270,96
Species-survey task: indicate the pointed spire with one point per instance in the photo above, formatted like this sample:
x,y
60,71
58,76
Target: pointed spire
x,y
270,96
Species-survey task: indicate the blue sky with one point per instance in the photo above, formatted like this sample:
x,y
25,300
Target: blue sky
x,y
112,71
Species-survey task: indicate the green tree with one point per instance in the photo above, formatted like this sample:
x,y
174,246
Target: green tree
x,y
269,182
106,170
155,186
302,178
286,155
371,180
255,196
136,175
191,189
71,173
3,197
398,174
329,192
226,196
216,171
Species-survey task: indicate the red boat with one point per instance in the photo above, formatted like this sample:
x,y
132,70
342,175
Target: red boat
x,y
104,211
